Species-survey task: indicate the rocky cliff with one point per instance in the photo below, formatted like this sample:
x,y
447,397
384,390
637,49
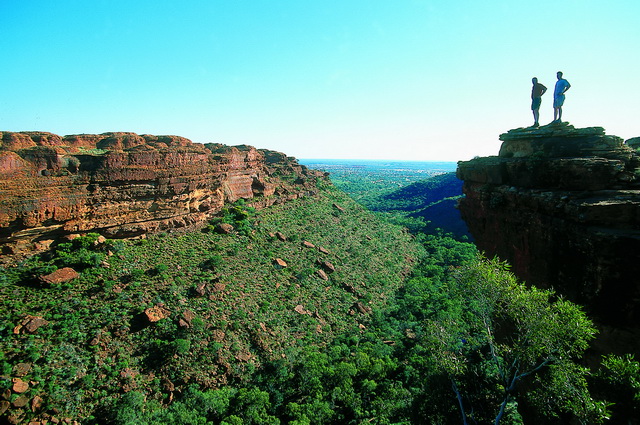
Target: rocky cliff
x,y
125,184
562,206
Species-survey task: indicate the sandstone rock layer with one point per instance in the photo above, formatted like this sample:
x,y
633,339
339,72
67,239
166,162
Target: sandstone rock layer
x,y
562,206
124,184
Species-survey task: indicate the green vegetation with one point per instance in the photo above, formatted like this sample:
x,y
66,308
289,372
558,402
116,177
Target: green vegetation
x,y
425,206
238,215
93,151
618,380
315,311
407,194
368,181
491,334
230,309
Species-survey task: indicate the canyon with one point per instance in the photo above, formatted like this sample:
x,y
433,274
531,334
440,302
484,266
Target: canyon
x,y
561,205
125,185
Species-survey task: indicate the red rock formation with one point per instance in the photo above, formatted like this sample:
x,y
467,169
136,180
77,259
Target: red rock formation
x,y
123,184
15,141
30,324
62,275
562,206
157,313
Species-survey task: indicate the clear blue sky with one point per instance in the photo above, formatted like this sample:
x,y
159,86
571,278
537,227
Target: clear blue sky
x,y
401,79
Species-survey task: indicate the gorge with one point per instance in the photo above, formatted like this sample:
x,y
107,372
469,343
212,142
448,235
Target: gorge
x,y
314,310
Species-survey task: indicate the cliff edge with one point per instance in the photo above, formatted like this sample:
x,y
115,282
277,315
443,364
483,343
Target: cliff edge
x,y
562,206
125,184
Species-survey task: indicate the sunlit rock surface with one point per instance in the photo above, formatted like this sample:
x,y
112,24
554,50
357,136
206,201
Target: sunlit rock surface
x,y
125,184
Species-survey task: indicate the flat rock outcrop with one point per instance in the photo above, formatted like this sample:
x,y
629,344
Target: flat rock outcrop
x,y
63,275
562,206
124,184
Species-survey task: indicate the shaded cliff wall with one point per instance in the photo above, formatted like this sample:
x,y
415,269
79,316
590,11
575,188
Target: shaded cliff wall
x,y
562,206
125,184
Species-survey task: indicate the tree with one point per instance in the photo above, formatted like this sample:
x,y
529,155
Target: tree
x,y
494,333
618,380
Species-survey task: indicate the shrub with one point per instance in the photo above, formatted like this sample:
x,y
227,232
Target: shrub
x,y
212,262
181,346
161,269
81,252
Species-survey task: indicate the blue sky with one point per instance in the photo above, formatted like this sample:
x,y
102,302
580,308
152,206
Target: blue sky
x,y
401,79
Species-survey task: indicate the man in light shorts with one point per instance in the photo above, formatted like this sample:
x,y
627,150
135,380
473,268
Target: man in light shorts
x,y
562,86
536,99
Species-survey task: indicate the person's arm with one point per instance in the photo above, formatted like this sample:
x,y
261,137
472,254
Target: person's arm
x,y
567,87
543,91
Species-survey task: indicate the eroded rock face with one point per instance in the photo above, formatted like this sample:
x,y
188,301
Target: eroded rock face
x,y
124,184
562,206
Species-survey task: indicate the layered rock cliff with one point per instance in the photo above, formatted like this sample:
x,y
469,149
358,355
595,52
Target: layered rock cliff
x,y
125,184
562,206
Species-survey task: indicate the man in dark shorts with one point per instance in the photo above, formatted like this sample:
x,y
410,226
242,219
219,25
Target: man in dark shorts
x,y
536,99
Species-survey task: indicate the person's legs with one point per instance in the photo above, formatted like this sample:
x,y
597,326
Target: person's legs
x,y
557,108
535,107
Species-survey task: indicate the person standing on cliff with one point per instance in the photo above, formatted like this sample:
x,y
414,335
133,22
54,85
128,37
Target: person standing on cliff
x,y
562,86
537,91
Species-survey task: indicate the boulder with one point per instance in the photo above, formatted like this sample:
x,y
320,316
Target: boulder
x,y
323,250
21,401
224,228
19,386
185,320
560,140
21,369
364,309
36,403
321,273
30,324
157,313
326,266
243,356
279,263
63,275
301,310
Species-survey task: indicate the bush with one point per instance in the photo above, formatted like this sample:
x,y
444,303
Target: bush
x,y
82,252
161,269
212,262
181,346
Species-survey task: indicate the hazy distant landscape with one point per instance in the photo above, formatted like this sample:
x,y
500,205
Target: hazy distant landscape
x,y
379,175
421,195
